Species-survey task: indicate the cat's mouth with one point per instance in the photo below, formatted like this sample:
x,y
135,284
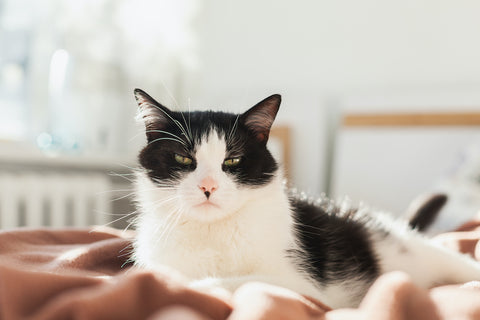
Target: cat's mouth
x,y
207,204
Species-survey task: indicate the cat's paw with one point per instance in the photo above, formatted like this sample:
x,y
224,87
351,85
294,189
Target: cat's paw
x,y
213,286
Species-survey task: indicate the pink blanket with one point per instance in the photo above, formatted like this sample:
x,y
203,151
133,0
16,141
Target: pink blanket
x,y
84,274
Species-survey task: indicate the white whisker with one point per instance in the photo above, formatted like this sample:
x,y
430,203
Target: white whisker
x,y
129,225
122,175
119,219
175,223
177,123
189,131
189,118
157,204
134,169
233,130
166,138
169,93
164,132
165,227
123,197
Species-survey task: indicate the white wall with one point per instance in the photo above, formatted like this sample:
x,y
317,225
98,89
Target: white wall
x,y
390,167
317,53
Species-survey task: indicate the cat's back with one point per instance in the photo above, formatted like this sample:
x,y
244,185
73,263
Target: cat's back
x,y
334,243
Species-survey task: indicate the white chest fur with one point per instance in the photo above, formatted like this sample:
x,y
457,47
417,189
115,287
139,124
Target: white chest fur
x,y
252,240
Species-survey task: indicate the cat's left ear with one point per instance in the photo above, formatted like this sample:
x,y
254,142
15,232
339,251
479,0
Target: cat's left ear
x,y
260,117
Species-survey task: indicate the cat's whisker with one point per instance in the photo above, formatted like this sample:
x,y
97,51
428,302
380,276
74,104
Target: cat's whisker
x,y
235,145
126,254
126,247
136,135
119,219
189,118
170,94
124,196
166,138
160,183
176,122
134,170
116,214
129,225
157,204
178,107
164,132
185,133
166,227
130,254
189,131
114,190
163,183
163,186
175,223
233,130
123,176
130,193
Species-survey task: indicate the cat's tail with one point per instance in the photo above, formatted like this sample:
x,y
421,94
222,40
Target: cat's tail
x,y
424,210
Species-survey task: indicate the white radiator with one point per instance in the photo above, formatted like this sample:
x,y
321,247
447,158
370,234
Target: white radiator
x,y
54,199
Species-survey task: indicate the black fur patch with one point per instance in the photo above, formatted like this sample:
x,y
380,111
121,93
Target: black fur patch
x,y
257,165
334,247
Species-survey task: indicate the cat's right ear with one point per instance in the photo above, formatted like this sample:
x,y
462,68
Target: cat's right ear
x,y
154,115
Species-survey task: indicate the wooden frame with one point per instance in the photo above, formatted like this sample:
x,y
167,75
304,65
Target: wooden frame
x,y
411,119
282,134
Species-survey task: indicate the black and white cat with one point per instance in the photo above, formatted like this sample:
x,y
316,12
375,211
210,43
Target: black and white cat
x,y
213,205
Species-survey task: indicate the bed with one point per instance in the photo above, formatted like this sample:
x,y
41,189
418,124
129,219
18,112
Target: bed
x,y
69,273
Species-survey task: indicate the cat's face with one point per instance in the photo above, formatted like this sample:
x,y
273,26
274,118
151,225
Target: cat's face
x,y
207,165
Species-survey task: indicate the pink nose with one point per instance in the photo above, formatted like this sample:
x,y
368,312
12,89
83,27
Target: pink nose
x,y
208,185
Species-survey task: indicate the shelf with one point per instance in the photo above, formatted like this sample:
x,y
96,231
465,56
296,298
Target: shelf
x,y
24,155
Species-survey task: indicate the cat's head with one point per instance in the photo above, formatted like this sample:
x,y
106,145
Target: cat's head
x,y
207,164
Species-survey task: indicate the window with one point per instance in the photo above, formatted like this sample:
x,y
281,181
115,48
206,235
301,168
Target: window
x,y
68,67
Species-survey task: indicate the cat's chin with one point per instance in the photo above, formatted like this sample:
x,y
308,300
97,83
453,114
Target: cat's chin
x,y
207,212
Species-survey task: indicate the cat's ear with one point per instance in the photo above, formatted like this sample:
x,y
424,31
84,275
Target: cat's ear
x,y
260,117
154,115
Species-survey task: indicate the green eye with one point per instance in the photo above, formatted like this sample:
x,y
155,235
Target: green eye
x,y
231,162
183,160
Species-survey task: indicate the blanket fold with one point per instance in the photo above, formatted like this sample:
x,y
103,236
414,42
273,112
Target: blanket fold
x,y
86,274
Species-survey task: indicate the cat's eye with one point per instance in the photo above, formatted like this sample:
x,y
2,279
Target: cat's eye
x,y
231,162
183,160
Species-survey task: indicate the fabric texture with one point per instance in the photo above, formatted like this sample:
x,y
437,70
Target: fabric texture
x,y
85,274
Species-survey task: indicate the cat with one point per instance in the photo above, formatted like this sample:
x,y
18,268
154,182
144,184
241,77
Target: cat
x,y
213,204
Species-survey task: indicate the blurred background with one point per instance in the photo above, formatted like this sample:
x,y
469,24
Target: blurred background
x,y
381,99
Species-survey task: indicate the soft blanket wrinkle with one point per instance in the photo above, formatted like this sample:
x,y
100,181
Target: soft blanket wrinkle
x,y
85,274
